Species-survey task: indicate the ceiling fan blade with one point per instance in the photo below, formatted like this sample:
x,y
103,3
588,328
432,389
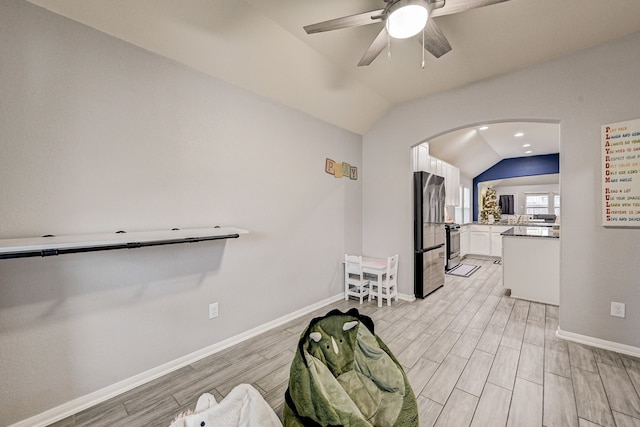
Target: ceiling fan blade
x,y
357,20
457,6
434,40
376,47
436,4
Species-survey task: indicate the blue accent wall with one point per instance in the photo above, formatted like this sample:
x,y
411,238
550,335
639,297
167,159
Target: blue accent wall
x,y
516,167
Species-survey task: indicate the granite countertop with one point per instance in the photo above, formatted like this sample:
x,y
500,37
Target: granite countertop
x,y
521,224
529,231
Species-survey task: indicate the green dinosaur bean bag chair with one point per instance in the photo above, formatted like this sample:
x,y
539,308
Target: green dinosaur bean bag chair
x,y
344,375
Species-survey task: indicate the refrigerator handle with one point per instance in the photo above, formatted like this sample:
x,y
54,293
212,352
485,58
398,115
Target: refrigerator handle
x,y
430,248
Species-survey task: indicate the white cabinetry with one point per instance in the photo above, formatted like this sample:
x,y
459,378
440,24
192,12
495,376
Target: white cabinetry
x,y
496,239
464,240
452,185
480,240
440,168
486,239
518,268
422,161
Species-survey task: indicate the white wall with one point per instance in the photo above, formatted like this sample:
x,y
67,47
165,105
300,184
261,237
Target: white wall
x,y
519,192
97,135
582,91
466,182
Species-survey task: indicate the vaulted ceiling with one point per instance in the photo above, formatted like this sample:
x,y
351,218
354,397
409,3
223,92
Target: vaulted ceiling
x,y
260,45
475,149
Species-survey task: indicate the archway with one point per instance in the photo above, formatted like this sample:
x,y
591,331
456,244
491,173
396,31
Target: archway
x,y
509,154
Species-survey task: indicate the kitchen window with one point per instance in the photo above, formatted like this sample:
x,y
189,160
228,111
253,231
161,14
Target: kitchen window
x,y
542,203
463,210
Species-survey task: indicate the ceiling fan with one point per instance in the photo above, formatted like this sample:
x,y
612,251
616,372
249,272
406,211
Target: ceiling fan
x,y
403,19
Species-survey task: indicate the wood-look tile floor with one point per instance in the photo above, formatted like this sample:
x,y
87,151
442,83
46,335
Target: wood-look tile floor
x,y
474,357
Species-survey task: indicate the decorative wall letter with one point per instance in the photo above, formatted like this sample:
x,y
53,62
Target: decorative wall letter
x,y
621,174
340,170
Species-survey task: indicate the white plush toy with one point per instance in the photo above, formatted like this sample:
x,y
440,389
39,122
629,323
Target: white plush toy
x,y
242,407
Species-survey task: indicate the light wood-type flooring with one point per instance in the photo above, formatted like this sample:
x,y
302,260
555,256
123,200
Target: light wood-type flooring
x,y
474,357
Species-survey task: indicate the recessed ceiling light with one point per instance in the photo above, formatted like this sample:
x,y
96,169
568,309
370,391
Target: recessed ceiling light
x,y
483,128
526,145
519,134
528,152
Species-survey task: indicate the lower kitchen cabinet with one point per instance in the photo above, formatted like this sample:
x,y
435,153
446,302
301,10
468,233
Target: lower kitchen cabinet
x,y
496,238
479,240
486,239
464,240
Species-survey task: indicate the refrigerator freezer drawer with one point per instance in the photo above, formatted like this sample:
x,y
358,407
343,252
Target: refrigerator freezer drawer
x,y
429,274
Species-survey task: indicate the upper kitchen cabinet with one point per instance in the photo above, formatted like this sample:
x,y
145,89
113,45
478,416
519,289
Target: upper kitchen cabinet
x,y
422,161
452,185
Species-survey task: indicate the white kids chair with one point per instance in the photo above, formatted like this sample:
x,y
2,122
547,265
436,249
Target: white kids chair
x,y
354,281
389,287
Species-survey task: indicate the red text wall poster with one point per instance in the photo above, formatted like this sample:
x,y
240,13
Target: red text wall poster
x,y
621,174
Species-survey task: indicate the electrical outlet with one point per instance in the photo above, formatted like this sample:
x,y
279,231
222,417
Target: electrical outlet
x,y
213,310
617,309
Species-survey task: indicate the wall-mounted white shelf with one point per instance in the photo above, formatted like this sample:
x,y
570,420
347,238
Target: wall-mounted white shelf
x,y
58,245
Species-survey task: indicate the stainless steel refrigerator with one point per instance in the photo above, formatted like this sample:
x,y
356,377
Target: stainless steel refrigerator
x,y
429,232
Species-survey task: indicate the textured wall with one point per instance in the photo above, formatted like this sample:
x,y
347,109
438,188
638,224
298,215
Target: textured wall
x,y
581,91
98,136
521,166
516,167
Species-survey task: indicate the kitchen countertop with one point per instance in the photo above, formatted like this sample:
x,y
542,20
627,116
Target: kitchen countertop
x,y
522,224
532,231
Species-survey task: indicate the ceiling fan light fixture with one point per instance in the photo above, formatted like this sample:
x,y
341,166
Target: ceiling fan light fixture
x,y
406,19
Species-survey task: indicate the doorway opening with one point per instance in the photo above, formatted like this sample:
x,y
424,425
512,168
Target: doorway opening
x,y
517,159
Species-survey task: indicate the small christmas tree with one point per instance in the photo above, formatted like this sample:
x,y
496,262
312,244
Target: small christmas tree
x,y
490,206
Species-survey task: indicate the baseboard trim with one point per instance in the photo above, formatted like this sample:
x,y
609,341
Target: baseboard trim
x,y
80,404
597,342
407,297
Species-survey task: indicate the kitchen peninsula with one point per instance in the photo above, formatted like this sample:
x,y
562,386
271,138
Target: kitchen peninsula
x,y
531,263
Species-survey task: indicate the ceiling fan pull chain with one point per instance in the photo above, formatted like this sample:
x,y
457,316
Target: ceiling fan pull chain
x,y
423,48
388,46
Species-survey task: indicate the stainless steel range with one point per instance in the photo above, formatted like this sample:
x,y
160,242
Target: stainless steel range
x,y
453,245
